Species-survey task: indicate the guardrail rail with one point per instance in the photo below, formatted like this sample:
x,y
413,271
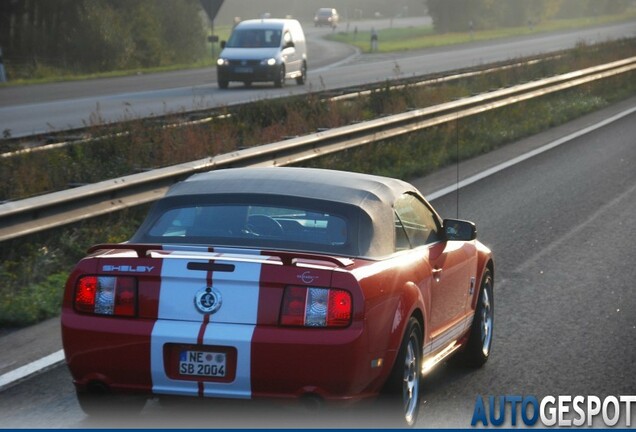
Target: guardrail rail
x,y
44,212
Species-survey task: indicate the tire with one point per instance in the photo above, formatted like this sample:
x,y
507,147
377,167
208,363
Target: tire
x,y
303,75
223,84
479,343
402,390
279,82
102,404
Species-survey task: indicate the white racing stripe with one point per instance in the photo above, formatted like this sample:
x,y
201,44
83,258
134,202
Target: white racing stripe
x,y
231,326
166,331
240,337
178,322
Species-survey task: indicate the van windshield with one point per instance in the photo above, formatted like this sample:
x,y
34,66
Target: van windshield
x,y
254,38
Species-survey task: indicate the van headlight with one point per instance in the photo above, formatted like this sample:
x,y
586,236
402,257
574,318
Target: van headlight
x,y
268,62
222,62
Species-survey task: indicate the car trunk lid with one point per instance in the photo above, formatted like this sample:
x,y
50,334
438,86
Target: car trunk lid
x,y
226,285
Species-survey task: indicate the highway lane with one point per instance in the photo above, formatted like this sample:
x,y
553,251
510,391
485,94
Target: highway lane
x,y
35,109
562,228
322,53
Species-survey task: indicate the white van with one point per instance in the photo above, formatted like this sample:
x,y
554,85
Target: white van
x,y
264,50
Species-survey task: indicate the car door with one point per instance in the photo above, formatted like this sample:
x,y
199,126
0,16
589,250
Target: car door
x,y
448,260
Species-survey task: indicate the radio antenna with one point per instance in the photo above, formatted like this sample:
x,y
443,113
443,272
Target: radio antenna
x,y
457,162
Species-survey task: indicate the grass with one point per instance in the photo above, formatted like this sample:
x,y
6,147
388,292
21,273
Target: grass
x,y
424,152
32,276
44,74
414,38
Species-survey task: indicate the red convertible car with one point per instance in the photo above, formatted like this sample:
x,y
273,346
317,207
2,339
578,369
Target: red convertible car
x,y
279,283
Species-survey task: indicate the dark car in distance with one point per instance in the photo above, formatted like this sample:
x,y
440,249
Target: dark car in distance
x,y
326,17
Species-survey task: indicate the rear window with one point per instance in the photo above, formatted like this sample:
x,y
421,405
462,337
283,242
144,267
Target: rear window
x,y
263,226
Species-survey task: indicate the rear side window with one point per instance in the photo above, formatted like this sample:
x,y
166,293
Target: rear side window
x,y
416,222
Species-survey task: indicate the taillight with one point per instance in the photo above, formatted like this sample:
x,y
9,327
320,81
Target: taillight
x,y
106,295
316,307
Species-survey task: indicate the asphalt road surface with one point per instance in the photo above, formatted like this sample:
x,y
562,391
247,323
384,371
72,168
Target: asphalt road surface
x,y
562,227
26,110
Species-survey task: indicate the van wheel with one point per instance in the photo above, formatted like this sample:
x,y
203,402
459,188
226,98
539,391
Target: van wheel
x,y
303,75
280,79
223,84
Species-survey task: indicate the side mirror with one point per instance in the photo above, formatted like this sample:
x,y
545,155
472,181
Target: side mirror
x,y
290,44
223,44
460,230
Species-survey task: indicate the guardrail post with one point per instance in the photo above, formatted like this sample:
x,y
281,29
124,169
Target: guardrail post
x,y
3,74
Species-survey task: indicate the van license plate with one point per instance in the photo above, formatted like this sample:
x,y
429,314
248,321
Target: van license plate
x,y
202,363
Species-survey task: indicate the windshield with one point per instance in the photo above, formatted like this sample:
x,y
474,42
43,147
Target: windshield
x,y
254,38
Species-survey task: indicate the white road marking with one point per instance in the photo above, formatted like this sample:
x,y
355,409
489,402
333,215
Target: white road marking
x,y
514,161
32,368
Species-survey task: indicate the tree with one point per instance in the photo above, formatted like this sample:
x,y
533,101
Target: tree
x,y
99,35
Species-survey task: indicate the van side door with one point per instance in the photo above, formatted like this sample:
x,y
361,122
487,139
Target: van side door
x,y
290,54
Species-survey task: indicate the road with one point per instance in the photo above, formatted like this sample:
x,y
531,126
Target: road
x,y
562,227
26,110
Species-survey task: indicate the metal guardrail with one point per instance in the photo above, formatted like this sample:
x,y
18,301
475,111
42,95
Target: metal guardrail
x,y
71,137
37,214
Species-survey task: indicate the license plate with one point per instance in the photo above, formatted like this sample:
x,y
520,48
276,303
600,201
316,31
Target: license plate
x,y
243,69
202,363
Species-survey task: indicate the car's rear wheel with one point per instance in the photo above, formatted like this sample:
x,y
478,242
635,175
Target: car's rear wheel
x,y
479,342
402,389
280,79
103,403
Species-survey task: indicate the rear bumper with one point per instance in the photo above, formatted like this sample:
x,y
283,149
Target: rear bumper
x,y
269,362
